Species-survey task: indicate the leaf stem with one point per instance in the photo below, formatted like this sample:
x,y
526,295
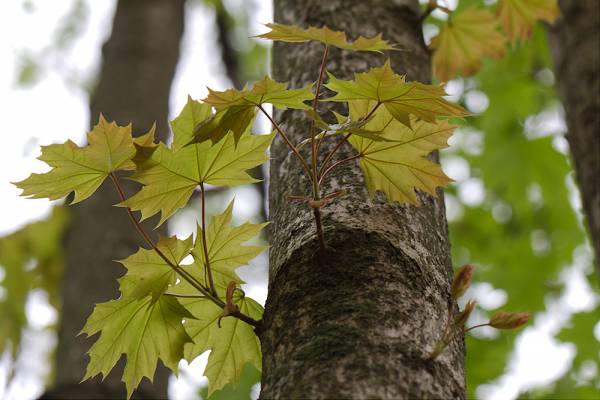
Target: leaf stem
x,y
287,140
335,165
476,326
207,270
184,274
185,296
344,140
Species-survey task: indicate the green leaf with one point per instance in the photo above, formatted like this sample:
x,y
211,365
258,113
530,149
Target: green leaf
x,y
148,273
144,330
233,345
169,177
398,166
236,109
519,16
401,99
235,119
264,91
463,41
193,113
225,247
294,34
82,170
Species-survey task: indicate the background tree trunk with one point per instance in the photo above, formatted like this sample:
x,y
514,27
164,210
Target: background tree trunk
x,y
575,41
360,321
139,62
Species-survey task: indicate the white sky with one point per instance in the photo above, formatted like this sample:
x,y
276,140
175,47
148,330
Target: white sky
x,y
56,109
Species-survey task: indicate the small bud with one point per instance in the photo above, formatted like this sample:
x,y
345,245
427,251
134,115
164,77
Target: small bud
x,y
508,320
316,203
462,280
463,316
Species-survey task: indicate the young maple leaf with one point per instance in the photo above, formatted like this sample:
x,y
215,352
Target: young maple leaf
x,y
169,177
82,170
232,345
236,109
463,41
519,16
294,34
399,166
148,273
225,250
400,98
142,329
193,113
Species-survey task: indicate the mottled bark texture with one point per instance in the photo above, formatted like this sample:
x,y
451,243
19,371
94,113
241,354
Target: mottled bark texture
x,y
359,321
139,62
575,43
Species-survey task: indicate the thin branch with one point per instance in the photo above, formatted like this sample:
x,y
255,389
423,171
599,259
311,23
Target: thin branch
x,y
285,138
207,270
320,235
315,145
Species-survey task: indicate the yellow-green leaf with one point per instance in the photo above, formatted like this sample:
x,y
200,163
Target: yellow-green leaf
x,y
264,91
519,16
236,109
233,345
235,119
400,98
142,329
169,177
463,41
294,34
192,114
225,247
148,273
82,170
399,166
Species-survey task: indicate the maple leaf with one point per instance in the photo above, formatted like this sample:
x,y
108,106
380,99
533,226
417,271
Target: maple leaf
x,y
400,98
463,41
148,274
236,109
232,345
169,177
224,245
519,16
398,166
192,114
142,329
238,120
294,34
82,170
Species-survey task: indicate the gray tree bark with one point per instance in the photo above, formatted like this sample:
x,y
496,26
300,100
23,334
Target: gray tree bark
x,y
139,62
575,44
360,320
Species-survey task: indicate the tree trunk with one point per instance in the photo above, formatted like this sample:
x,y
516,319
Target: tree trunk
x,y
359,321
575,41
139,62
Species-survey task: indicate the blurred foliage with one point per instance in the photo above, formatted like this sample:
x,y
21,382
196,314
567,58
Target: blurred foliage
x,y
248,54
524,232
31,65
31,258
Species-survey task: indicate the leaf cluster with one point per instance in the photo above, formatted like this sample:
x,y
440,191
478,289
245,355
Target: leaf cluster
x,y
473,33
